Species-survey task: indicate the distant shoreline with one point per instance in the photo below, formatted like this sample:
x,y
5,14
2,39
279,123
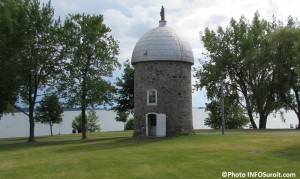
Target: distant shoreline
x,y
78,109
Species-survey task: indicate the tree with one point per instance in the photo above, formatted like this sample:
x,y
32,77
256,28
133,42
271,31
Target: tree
x,y
242,52
77,124
91,56
125,91
49,112
38,57
233,115
92,120
286,47
11,42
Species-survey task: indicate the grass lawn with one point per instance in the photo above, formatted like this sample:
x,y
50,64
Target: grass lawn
x,y
117,155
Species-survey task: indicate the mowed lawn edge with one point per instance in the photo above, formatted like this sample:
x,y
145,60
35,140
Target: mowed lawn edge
x,y
117,155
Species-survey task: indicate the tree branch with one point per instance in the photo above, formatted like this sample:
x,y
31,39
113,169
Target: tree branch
x,y
20,109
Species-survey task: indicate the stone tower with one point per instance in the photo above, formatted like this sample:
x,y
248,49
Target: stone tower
x,y
162,62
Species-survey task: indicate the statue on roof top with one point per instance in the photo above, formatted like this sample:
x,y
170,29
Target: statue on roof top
x,y
162,13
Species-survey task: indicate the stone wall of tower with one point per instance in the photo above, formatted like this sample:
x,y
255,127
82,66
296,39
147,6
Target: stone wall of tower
x,y
172,80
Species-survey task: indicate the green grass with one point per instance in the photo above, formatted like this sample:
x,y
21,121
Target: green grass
x,y
117,155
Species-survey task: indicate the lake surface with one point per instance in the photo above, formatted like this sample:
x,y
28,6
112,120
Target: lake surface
x,y
17,125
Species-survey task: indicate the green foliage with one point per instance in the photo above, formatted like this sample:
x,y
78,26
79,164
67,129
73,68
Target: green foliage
x,y
122,116
286,47
49,112
11,41
243,55
129,124
125,93
233,115
91,125
77,123
92,121
32,47
90,58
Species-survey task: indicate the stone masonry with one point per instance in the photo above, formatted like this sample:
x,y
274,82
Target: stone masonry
x,y
172,80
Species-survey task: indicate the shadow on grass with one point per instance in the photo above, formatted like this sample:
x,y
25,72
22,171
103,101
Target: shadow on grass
x,y
291,153
248,131
111,143
75,144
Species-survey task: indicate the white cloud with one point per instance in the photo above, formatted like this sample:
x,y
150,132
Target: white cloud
x,y
130,19
117,21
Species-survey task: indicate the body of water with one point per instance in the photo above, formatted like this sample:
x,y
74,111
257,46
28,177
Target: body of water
x,y
17,125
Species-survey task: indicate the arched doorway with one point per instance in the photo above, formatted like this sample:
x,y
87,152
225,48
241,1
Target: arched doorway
x,y
155,125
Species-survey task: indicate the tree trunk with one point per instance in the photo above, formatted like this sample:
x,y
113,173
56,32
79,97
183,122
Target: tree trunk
x,y
250,113
83,108
298,105
83,97
31,123
262,121
298,115
51,129
83,122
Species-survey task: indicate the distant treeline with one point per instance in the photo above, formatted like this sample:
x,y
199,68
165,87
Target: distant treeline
x,y
65,109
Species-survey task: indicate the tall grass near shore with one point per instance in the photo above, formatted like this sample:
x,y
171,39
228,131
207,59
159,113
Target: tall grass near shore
x,y
117,155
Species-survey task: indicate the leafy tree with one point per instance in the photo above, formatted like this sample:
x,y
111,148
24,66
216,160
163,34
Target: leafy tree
x,y
233,115
38,57
242,52
91,54
92,122
125,91
77,124
286,47
11,42
49,112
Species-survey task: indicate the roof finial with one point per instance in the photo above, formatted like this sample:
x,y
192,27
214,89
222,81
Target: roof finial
x,y
162,13
162,22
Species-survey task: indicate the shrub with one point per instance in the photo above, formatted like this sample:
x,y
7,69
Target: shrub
x,y
129,124
92,122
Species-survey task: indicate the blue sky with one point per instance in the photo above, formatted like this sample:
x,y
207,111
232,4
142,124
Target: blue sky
x,y
130,19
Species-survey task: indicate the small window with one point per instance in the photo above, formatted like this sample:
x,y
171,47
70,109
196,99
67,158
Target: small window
x,y
152,97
